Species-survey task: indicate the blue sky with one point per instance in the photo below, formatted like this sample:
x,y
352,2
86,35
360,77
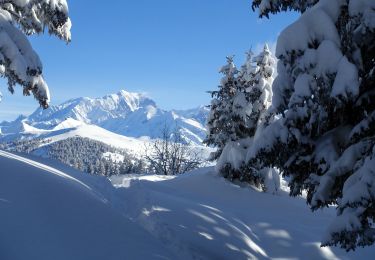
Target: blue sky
x,y
169,49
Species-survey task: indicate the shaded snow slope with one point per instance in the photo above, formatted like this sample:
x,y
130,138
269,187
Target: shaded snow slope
x,y
63,214
49,214
125,113
202,215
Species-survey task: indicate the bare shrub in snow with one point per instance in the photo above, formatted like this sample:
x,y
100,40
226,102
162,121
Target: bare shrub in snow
x,y
170,155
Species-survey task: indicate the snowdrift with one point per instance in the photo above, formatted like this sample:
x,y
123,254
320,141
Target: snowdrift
x,y
54,212
203,216
49,214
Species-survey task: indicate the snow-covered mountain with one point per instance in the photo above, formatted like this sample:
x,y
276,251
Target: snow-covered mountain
x,y
124,113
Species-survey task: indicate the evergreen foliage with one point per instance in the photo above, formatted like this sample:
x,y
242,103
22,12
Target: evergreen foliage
x,y
275,6
83,154
19,63
87,155
220,125
238,110
322,136
250,104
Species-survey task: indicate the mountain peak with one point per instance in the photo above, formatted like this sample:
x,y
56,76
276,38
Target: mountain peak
x,y
126,113
135,100
125,93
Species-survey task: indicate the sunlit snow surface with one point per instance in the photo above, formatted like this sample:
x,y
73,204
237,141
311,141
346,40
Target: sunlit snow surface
x,y
54,212
202,215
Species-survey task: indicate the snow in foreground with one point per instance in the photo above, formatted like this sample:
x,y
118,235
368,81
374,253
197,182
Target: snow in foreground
x,y
205,216
48,214
63,214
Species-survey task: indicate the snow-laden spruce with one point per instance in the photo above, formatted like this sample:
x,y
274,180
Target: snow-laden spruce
x,y
19,63
220,127
238,110
323,136
249,109
274,6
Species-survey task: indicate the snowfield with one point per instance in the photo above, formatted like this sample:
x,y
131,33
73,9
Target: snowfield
x,y
70,128
49,211
50,214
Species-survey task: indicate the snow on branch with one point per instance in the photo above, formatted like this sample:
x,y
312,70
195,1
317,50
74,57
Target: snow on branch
x,y
19,63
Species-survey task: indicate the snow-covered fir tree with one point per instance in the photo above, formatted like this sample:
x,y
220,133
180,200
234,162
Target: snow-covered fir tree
x,y
220,126
249,109
274,6
230,163
259,89
324,135
19,63
241,107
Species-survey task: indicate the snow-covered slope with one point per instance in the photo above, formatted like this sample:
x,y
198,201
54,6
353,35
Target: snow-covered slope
x,y
203,216
73,128
50,214
54,212
125,113
130,121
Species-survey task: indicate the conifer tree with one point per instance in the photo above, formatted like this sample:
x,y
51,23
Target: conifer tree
x,y
274,6
323,136
249,107
241,104
19,63
259,88
219,124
